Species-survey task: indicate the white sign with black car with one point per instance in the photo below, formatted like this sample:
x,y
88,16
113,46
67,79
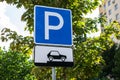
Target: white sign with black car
x,y
53,56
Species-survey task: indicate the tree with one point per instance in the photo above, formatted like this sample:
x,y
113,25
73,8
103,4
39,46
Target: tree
x,y
116,69
78,7
18,42
14,65
110,55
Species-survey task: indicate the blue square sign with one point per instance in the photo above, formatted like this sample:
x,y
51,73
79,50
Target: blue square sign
x,y
53,26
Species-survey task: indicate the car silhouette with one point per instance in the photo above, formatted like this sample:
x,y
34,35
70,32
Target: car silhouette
x,y
56,55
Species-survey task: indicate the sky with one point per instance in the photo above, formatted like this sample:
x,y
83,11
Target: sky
x,y
10,17
93,15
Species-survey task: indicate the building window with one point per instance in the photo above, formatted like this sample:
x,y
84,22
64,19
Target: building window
x,y
104,6
110,12
116,6
110,20
113,1
117,16
109,3
101,14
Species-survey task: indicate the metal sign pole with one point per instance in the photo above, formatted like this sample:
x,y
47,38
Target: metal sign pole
x,y
53,73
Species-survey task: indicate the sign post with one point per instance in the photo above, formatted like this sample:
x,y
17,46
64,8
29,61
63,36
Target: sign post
x,y
53,73
53,37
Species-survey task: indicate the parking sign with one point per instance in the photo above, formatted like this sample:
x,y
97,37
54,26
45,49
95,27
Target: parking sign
x,y
53,26
53,56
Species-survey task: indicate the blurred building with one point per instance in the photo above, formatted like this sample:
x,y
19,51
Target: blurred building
x,y
111,9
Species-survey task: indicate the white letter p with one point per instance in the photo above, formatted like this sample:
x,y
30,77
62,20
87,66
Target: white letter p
x,y
50,27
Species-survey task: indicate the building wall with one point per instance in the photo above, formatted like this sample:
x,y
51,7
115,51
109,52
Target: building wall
x,y
108,8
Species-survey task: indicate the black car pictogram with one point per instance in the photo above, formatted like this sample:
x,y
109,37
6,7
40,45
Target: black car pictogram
x,y
56,55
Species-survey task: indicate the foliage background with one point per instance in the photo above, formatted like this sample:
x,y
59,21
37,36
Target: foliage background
x,y
89,61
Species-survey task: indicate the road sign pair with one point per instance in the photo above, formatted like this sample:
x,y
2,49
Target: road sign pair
x,y
53,27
